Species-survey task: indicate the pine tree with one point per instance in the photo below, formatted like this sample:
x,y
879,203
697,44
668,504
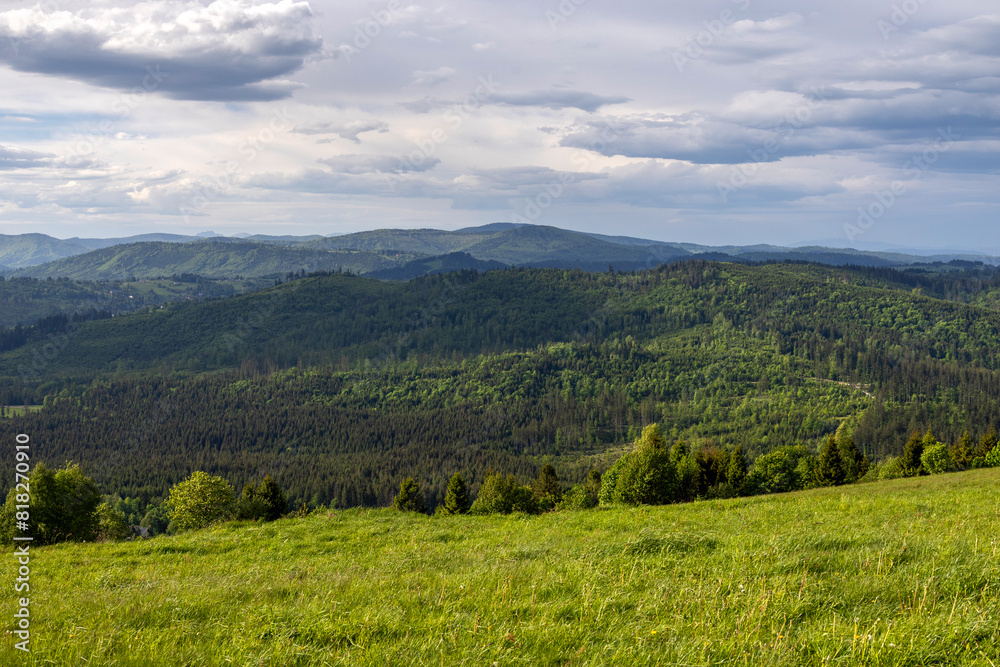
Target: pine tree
x,y
987,443
830,471
547,484
961,451
249,507
912,452
409,498
272,499
736,470
456,500
855,463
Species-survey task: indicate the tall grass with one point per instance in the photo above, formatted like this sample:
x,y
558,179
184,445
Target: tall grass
x,y
897,573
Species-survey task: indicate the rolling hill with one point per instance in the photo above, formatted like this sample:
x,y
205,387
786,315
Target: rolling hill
x,y
30,249
514,245
342,384
506,243
211,258
455,261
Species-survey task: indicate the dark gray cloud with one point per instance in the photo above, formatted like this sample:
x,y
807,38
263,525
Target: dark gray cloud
x,y
708,139
230,50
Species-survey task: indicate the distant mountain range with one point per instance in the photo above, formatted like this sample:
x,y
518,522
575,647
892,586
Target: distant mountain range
x,y
210,258
397,254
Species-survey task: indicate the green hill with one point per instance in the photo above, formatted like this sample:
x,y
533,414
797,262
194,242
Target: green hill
x,y
515,245
454,261
894,573
29,249
213,258
343,385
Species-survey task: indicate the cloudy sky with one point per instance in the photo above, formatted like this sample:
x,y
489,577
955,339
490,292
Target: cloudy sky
x,y
734,121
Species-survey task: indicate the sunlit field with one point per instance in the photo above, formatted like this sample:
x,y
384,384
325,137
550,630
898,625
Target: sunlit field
x,y
896,573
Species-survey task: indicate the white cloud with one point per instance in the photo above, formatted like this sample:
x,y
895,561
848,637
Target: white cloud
x,y
427,78
226,50
596,100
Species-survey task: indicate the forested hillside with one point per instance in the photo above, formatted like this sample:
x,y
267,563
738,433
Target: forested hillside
x,y
341,385
212,258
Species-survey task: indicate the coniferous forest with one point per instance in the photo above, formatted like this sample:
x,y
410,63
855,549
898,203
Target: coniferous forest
x,y
340,386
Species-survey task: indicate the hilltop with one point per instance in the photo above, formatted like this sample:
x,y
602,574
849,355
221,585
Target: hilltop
x,y
209,258
384,250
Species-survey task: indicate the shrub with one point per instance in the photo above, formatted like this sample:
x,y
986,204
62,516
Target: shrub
x,y
583,496
936,459
646,475
157,519
992,460
249,507
63,506
987,443
892,468
855,463
200,500
609,482
111,523
409,498
778,471
807,472
262,503
503,495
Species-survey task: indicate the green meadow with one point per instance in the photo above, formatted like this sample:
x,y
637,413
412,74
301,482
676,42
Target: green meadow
x,y
905,572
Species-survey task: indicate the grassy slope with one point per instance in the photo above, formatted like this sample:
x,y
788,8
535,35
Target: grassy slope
x,y
900,573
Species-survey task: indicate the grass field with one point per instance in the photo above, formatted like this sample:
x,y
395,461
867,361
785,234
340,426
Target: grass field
x,y
896,573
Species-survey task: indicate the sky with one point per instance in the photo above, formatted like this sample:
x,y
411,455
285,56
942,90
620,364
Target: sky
x,y
856,123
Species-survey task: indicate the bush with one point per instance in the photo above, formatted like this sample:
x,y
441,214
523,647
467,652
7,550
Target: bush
x,y
992,460
63,506
503,495
111,523
609,482
200,500
647,475
779,470
262,503
577,498
961,452
830,471
157,519
409,498
871,475
936,459
892,468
